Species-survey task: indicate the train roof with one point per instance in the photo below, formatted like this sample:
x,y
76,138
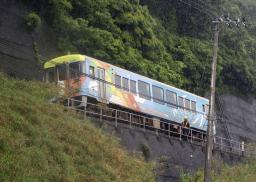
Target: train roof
x,y
64,59
79,57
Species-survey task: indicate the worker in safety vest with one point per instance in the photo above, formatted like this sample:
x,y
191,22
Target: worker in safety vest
x,y
185,122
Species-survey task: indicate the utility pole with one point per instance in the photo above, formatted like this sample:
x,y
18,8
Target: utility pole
x,y
226,20
209,144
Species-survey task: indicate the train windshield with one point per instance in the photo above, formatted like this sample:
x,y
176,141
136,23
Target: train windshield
x,y
61,70
74,70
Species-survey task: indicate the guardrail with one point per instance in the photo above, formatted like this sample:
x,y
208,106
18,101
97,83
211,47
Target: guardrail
x,y
164,128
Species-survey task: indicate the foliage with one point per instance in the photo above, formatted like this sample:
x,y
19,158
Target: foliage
x,y
145,151
32,21
36,53
41,142
242,172
165,40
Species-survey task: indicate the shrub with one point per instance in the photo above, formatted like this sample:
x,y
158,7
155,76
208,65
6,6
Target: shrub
x,y
145,151
32,21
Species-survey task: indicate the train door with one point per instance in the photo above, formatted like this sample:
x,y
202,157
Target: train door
x,y
60,77
102,85
61,74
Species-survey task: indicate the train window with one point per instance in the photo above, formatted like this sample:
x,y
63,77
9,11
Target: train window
x,y
74,69
92,71
144,90
61,72
193,106
187,104
50,75
171,98
118,81
125,83
181,102
158,94
133,86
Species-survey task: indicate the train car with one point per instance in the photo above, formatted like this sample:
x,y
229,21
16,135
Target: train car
x,y
112,85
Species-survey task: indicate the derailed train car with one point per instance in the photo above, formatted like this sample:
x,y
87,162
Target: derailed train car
x,y
96,80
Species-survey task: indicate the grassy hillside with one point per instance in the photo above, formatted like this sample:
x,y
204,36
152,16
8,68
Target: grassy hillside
x,y
244,172
40,142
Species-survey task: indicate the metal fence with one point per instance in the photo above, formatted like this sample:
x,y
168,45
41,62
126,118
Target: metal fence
x,y
165,129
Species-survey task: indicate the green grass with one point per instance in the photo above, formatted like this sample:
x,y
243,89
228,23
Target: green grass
x,y
41,142
243,172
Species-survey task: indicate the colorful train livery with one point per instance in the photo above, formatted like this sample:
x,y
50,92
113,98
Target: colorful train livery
x,y
109,84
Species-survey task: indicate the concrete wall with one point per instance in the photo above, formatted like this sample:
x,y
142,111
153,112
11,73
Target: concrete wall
x,y
240,116
175,157
172,156
17,57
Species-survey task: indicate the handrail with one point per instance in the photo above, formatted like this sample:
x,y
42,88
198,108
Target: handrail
x,y
191,130
169,129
